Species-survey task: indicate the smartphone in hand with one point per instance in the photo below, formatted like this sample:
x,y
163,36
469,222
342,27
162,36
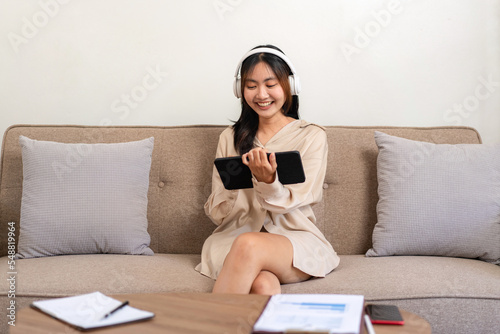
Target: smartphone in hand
x,y
384,314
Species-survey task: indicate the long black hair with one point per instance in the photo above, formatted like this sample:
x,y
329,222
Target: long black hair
x,y
245,128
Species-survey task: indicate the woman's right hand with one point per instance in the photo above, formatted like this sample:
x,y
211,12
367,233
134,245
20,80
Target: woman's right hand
x,y
262,168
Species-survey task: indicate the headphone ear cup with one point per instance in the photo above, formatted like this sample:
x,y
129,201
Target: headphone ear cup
x,y
294,84
237,87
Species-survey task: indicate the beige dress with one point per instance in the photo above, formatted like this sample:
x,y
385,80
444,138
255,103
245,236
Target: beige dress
x,y
279,209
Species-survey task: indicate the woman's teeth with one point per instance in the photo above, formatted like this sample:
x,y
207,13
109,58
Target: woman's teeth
x,y
264,104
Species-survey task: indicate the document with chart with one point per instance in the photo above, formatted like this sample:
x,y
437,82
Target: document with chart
x,y
325,313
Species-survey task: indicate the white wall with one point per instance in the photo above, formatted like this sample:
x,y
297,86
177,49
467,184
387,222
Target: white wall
x,y
171,62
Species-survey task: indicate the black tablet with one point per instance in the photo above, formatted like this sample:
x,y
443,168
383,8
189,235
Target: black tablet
x,y
236,175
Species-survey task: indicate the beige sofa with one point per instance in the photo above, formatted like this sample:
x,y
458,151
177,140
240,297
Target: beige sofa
x,y
456,295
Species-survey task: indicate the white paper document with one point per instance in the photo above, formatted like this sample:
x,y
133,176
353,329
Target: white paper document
x,y
323,313
88,311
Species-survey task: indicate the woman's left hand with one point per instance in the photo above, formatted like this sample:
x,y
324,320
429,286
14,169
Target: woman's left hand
x,y
262,168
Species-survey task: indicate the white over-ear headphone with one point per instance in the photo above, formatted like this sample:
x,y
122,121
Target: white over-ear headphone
x,y
292,78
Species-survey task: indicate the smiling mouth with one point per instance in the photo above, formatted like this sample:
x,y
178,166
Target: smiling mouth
x,y
264,104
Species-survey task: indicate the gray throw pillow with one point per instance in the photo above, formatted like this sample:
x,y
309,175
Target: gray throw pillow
x,y
84,198
437,199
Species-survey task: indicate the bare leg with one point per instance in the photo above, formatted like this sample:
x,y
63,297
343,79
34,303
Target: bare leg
x,y
266,283
258,262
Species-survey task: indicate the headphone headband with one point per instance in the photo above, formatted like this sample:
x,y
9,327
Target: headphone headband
x,y
293,78
264,50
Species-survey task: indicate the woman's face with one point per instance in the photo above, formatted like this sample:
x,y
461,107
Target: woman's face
x,y
263,92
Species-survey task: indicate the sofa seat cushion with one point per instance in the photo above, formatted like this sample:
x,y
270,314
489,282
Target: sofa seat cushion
x,y
407,277
58,276
378,278
467,289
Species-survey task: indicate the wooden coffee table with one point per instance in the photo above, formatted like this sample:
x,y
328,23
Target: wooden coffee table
x,y
190,313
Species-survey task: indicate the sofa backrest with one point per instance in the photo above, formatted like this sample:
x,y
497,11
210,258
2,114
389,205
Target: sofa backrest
x,y
180,178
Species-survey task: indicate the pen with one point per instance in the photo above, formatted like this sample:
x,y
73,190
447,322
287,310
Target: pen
x,y
125,303
368,324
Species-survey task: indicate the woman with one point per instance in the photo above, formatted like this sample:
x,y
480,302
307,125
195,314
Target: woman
x,y
266,235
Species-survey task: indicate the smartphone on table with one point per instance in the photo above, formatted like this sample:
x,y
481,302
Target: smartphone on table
x,y
384,314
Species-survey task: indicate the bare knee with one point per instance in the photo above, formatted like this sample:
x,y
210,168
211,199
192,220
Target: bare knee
x,y
246,240
266,283
245,247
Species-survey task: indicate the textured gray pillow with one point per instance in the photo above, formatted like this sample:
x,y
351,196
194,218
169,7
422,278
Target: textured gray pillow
x,y
437,199
84,198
